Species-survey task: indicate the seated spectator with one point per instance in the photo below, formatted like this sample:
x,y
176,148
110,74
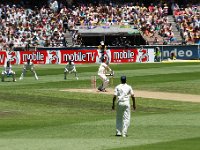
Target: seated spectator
x,y
170,36
155,41
196,38
189,40
151,7
165,10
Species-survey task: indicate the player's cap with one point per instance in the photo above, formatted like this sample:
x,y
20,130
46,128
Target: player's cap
x,y
123,79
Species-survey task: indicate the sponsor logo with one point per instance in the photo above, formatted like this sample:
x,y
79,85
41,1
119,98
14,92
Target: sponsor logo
x,y
38,57
123,54
79,56
13,57
33,56
53,57
178,53
144,55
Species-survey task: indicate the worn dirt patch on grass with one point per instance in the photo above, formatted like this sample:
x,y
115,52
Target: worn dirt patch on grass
x,y
7,113
146,94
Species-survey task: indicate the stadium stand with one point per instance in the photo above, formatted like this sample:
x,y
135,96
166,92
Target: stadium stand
x,y
58,24
188,23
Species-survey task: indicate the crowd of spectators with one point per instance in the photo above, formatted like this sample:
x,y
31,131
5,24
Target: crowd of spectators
x,y
46,26
22,27
188,22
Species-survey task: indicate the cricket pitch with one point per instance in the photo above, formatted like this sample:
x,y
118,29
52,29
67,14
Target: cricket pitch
x,y
145,94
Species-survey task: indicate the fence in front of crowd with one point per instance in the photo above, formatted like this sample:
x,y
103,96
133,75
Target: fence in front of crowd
x,y
81,55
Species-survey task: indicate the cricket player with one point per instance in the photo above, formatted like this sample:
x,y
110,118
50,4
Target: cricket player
x,y
29,65
123,92
70,68
8,72
103,68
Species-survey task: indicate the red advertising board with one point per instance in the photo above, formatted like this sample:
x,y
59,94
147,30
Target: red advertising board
x,y
79,56
132,55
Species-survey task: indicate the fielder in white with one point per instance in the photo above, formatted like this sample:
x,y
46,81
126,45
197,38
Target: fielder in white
x,y
123,92
70,68
103,68
7,72
29,65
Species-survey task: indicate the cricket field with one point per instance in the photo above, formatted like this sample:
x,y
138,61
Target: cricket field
x,y
47,114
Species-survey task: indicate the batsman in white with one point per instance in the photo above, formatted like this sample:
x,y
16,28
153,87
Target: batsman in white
x,y
29,65
103,68
7,72
70,68
123,92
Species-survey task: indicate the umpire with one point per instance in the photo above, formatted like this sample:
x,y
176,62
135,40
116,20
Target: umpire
x,y
123,92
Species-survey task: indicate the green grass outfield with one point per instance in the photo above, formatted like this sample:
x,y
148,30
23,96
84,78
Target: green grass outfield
x,y
35,115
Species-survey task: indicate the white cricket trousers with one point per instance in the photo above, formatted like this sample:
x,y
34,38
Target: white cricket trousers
x,y
123,117
104,79
33,72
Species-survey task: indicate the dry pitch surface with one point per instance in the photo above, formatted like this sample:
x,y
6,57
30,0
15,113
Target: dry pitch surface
x,y
147,94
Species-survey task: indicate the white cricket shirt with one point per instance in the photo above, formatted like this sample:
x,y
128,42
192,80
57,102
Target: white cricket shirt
x,y
123,93
8,69
70,67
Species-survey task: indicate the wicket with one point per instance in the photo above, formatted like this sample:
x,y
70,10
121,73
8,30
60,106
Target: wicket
x,y
93,82
111,81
